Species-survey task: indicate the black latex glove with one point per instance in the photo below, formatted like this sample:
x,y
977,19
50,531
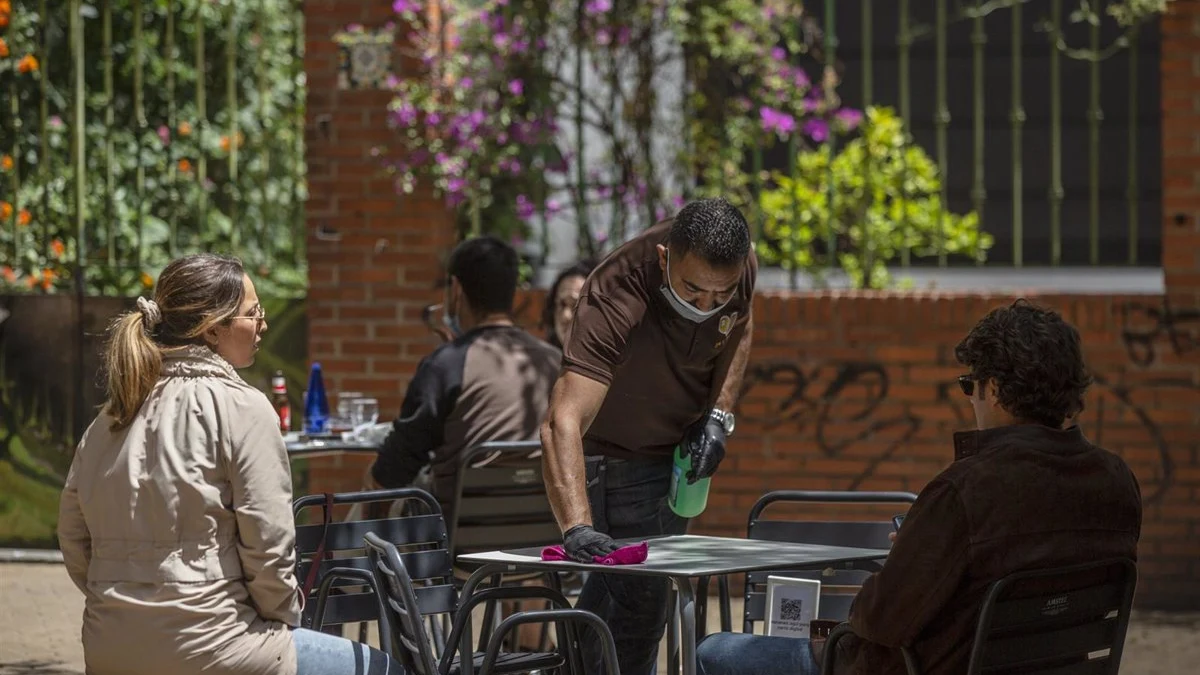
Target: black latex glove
x,y
583,544
705,442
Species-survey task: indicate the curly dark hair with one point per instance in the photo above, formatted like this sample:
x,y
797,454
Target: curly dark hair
x,y
1034,358
580,269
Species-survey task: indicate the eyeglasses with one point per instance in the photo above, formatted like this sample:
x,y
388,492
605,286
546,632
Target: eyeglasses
x,y
257,313
967,384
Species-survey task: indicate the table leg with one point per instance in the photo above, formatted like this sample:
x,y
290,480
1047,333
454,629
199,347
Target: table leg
x,y
687,620
673,607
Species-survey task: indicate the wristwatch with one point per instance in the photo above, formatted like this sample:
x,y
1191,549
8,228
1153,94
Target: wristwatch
x,y
725,418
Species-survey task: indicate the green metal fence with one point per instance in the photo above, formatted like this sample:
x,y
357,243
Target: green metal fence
x,y
138,130
1042,119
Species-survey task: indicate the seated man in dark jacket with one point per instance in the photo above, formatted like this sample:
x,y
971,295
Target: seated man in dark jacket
x,y
1025,491
491,382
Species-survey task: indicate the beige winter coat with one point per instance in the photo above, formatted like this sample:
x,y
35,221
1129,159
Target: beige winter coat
x,y
178,529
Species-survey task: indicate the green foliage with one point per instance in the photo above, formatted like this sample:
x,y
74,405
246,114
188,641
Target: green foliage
x,y
886,197
228,177
1130,12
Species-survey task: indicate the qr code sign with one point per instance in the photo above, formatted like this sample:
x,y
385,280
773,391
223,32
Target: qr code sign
x,y
791,610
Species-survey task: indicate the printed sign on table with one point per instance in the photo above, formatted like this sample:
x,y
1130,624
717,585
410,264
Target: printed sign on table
x,y
791,605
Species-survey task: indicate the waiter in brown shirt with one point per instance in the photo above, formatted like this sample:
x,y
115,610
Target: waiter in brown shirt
x,y
654,360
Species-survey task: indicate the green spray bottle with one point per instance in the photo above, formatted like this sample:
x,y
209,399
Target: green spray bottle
x,y
687,501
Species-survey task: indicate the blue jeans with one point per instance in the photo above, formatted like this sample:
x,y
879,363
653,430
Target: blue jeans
x,y
628,499
320,653
729,653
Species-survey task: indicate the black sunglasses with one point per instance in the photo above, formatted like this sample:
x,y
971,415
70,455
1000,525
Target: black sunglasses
x,y
967,384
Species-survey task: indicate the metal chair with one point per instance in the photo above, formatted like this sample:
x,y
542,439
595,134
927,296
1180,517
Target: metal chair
x,y
860,534
416,586
556,615
500,501
1068,620
345,590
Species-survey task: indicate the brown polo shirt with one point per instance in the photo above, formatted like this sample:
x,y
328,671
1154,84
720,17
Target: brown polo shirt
x,y
1016,498
658,365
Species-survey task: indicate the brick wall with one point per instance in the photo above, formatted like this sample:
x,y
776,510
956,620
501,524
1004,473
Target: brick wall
x,y
845,390
374,259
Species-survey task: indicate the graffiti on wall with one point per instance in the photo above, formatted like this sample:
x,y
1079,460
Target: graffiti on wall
x,y
838,402
1147,327
842,404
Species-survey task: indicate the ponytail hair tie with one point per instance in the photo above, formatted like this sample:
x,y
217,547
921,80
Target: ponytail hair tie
x,y
151,314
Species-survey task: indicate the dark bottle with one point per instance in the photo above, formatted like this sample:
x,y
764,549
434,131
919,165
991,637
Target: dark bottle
x,y
279,399
316,405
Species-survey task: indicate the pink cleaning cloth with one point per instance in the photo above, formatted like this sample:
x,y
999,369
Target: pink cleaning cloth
x,y
626,555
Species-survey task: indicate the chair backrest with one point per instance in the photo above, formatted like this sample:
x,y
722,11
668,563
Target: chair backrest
x,y
500,499
344,548
415,584
1069,619
859,534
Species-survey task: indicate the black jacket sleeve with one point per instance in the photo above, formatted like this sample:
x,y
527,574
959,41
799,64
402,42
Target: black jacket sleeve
x,y
418,431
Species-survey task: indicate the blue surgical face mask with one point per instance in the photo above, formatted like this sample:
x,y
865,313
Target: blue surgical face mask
x,y
686,309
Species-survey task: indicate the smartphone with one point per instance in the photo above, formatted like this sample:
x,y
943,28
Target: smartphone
x,y
896,520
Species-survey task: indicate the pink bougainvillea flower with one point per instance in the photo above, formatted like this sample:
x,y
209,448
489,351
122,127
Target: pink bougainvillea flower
x,y
594,7
525,208
816,129
402,6
777,121
516,87
848,118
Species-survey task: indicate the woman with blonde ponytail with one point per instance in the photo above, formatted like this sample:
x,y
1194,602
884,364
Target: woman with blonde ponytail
x,y
175,521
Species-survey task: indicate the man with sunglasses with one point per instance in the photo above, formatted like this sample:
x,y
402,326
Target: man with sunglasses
x,y
653,360
1026,490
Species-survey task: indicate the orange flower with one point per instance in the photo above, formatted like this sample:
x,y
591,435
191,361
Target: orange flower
x,y
6,163
185,129
24,217
9,275
185,166
5,210
147,280
57,247
3,20
31,280
27,64
3,48
47,279
226,144
5,7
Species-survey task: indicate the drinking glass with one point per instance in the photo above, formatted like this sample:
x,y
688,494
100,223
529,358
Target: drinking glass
x,y
366,411
346,408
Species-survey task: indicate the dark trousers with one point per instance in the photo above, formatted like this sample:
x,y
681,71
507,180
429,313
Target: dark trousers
x,y
628,499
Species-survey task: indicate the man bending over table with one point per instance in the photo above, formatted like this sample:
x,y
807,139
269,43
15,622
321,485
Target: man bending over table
x,y
1025,491
653,360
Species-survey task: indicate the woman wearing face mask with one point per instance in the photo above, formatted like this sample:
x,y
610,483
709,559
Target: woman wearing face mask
x,y
559,310
175,521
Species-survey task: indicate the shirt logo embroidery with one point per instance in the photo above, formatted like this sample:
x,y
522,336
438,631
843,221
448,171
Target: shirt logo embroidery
x,y
726,323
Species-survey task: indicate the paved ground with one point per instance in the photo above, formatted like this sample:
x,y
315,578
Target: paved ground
x,y
40,614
